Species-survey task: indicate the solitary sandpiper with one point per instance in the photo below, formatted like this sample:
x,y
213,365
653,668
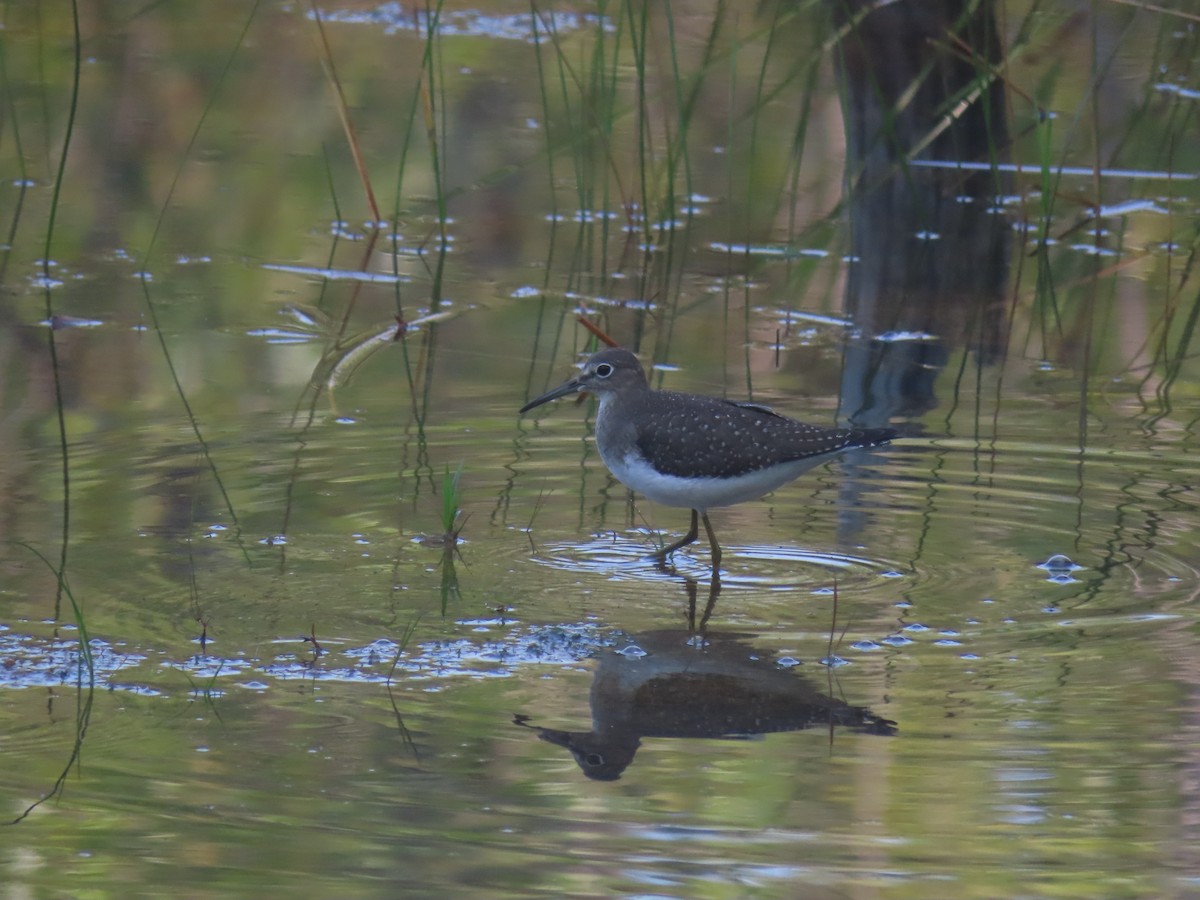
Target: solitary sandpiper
x,y
697,452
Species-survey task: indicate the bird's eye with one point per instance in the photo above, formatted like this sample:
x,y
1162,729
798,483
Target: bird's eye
x,y
604,370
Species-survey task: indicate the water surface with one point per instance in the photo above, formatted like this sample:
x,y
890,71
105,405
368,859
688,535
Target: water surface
x,y
238,654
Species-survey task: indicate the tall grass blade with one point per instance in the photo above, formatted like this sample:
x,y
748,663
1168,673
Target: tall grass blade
x,y
51,344
343,110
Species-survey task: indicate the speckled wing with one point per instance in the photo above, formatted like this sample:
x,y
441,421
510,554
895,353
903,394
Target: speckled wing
x,y
706,437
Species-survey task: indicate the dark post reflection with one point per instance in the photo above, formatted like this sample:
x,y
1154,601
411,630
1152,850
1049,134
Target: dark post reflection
x,y
931,251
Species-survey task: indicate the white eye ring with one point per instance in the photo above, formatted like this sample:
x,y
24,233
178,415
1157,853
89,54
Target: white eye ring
x,y
604,370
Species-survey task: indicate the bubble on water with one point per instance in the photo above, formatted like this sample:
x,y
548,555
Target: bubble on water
x,y
834,662
1059,569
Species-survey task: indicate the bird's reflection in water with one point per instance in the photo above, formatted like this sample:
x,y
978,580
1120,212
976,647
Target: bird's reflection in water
x,y
684,683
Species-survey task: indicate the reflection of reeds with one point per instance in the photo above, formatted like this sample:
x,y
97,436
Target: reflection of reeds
x,y
401,646
85,681
84,695
433,111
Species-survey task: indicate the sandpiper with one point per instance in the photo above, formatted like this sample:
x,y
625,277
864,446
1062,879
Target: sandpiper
x,y
693,451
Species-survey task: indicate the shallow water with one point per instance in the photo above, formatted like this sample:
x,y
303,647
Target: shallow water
x,y
965,664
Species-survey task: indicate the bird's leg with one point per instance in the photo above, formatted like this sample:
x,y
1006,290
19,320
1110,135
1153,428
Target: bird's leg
x,y
712,542
693,532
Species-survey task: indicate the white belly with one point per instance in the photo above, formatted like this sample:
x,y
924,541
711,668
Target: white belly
x,y
702,493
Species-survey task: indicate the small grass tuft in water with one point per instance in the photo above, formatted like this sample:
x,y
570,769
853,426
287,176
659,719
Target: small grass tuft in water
x,y
450,504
